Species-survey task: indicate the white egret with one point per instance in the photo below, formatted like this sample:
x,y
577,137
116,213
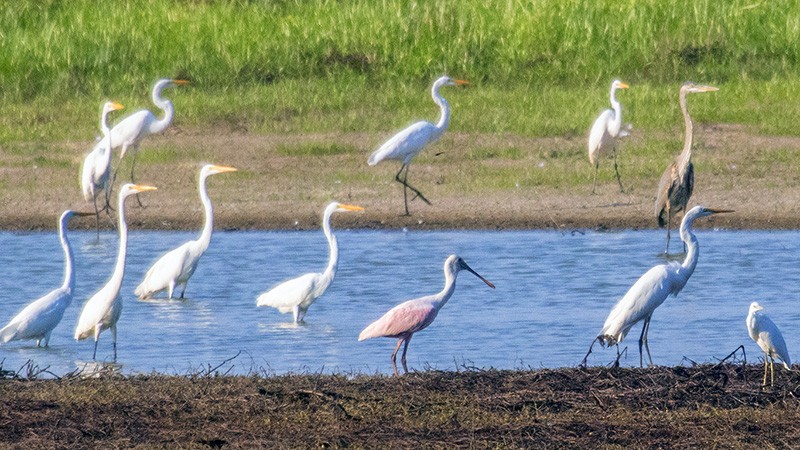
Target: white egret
x,y
97,164
407,143
38,319
177,266
767,335
405,319
102,310
677,182
298,294
130,131
650,291
605,131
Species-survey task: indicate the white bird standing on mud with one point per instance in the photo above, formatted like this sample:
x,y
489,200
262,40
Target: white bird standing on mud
x,y
103,309
97,164
605,131
38,319
767,335
407,143
298,294
650,291
177,266
405,319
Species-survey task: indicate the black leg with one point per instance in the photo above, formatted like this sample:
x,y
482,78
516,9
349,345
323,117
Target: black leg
x,y
405,186
616,169
594,183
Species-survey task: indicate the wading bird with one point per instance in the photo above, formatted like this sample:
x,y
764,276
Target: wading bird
x,y
407,143
298,294
405,319
130,131
650,291
605,131
97,165
39,318
677,182
769,338
177,266
103,309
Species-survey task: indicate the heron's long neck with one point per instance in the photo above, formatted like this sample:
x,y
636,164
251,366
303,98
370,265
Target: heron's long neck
x,y
447,292
69,259
444,118
616,123
693,247
169,111
205,236
686,155
119,269
333,260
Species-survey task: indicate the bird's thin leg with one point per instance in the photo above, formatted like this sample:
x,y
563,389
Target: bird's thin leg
x,y
405,187
96,338
416,191
183,291
114,336
96,218
403,359
616,170
669,224
771,371
585,358
296,313
394,356
133,166
594,183
646,344
643,341
766,361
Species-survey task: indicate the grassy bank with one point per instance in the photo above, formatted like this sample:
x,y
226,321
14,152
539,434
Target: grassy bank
x,y
681,407
539,69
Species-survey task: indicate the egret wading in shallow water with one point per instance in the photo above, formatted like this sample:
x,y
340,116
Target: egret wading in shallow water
x,y
103,309
769,338
677,181
38,319
405,319
130,131
298,294
407,143
97,165
605,131
650,291
177,266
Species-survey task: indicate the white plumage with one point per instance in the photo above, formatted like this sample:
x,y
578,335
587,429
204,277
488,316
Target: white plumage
x,y
605,131
97,164
767,335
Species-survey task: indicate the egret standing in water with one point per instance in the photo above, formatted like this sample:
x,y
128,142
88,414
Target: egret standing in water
x,y
605,131
177,266
38,319
769,338
650,291
103,309
405,319
97,165
407,143
298,294
677,181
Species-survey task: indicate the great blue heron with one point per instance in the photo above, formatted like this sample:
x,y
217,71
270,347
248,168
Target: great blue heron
x,y
605,131
677,182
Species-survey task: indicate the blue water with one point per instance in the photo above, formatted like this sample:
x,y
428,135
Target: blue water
x,y
553,293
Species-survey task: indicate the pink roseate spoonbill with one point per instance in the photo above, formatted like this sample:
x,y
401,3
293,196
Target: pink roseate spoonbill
x,y
178,265
405,319
97,165
407,143
298,294
650,291
39,318
103,309
131,130
767,335
605,131
677,181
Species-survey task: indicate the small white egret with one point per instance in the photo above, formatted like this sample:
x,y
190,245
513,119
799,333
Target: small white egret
x,y
650,291
298,294
38,319
767,335
605,131
102,310
177,266
407,143
97,164
405,319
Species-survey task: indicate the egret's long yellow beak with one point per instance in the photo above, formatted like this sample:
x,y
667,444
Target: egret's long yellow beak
x,y
116,106
720,211
351,207
461,82
181,81
223,169
707,88
142,188
623,85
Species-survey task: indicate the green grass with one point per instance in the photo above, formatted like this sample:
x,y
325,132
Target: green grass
x,y
292,66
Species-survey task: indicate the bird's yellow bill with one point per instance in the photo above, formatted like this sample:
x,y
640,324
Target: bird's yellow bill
x,y
180,81
116,106
223,169
707,88
720,211
142,188
461,82
624,86
351,207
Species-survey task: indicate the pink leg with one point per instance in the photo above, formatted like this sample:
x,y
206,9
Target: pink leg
x,y
394,356
403,359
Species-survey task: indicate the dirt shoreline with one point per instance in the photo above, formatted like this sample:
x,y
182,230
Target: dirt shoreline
x,y
277,189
